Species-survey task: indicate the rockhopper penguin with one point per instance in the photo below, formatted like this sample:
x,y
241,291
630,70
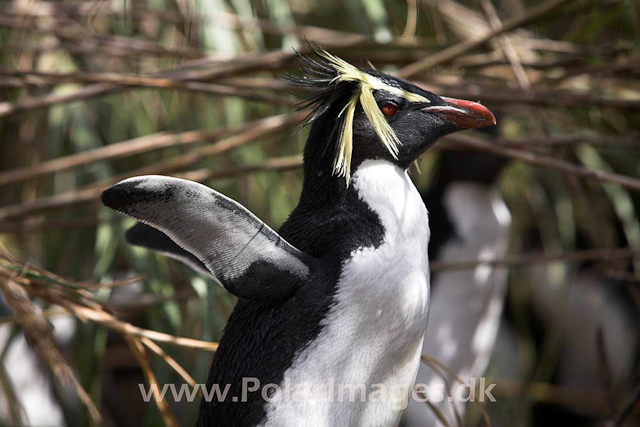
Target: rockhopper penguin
x,y
334,306
469,220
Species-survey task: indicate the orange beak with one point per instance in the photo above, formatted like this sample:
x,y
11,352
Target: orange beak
x,y
464,114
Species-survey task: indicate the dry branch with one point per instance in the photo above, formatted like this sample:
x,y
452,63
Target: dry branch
x,y
39,335
95,48
18,282
610,141
571,397
99,315
545,161
492,94
43,226
455,51
47,11
208,69
551,98
169,361
73,33
91,194
30,104
131,80
274,164
532,259
137,348
109,321
438,367
128,148
167,139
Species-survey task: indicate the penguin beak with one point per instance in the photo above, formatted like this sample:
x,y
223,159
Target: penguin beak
x,y
463,114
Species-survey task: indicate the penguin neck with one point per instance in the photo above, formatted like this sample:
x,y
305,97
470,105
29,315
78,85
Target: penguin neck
x,y
331,218
387,189
321,188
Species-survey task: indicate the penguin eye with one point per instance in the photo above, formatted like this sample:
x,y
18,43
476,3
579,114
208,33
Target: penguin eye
x,y
388,109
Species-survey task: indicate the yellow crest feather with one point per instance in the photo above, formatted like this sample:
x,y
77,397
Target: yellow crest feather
x,y
378,121
342,163
366,85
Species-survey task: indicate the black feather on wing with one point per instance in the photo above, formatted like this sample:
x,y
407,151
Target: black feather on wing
x,y
246,256
151,238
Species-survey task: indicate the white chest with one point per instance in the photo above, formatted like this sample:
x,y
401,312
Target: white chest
x,y
373,333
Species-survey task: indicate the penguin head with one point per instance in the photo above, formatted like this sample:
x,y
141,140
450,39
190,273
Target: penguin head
x,y
416,124
363,114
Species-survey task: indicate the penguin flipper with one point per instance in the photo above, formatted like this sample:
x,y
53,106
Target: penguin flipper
x,y
146,236
246,256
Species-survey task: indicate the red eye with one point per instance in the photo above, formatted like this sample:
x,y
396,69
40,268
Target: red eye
x,y
388,109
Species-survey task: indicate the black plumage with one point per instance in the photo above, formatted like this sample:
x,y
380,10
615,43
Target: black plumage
x,y
279,315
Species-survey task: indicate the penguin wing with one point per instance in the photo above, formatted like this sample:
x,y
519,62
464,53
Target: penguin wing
x,y
151,238
246,256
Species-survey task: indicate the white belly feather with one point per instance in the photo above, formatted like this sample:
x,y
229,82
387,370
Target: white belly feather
x,y
373,334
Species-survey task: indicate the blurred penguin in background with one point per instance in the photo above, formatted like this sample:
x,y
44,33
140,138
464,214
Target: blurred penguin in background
x,y
586,329
469,220
27,396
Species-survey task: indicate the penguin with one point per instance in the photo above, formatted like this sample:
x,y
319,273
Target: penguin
x,y
40,400
593,323
598,348
469,221
332,308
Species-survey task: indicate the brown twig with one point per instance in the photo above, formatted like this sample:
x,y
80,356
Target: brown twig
x,y
274,164
412,20
552,98
137,348
566,396
44,226
208,69
455,51
169,361
95,48
131,80
82,304
506,46
109,321
220,18
432,361
167,139
540,160
38,333
91,194
612,141
531,259
73,33
126,148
